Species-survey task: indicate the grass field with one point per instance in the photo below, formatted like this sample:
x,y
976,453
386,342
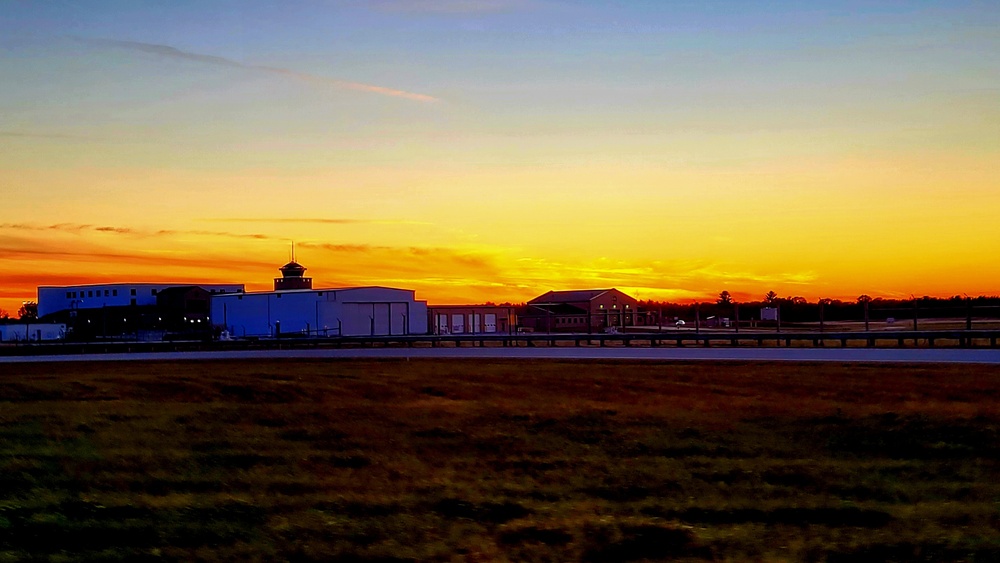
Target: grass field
x,y
520,461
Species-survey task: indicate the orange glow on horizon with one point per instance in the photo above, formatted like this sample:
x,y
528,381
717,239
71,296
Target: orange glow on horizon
x,y
70,254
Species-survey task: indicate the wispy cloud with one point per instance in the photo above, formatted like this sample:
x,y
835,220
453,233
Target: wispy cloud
x,y
175,53
449,6
200,232
66,227
79,228
11,249
38,135
316,220
413,258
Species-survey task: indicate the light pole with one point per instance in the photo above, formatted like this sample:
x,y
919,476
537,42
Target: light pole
x,y
27,324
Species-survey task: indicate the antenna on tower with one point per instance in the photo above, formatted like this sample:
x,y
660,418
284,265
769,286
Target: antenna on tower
x,y
293,251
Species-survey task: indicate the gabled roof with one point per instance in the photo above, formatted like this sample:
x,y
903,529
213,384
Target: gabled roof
x,y
555,309
572,296
180,290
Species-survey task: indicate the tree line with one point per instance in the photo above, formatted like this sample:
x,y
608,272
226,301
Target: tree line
x,y
799,309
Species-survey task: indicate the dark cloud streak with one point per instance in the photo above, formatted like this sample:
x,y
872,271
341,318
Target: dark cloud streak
x,y
107,229
318,220
173,52
37,135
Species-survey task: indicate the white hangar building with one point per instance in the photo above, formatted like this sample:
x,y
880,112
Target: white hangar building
x,y
294,307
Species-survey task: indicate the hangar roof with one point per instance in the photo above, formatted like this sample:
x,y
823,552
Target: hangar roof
x,y
568,296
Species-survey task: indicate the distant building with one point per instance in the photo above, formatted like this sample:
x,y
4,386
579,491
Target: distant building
x,y
588,310
183,307
471,319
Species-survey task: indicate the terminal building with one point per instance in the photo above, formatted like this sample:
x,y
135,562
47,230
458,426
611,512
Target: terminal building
x,y
295,308
53,299
131,311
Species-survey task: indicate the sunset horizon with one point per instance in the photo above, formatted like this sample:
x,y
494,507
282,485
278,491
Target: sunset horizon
x,y
493,150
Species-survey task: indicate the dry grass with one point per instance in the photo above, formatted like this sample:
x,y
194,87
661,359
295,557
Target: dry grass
x,y
513,460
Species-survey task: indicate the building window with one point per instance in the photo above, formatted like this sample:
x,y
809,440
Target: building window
x,y
90,294
279,296
106,292
132,302
114,292
133,291
68,295
320,294
239,298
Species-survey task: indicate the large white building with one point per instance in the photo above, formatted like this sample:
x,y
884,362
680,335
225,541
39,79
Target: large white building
x,y
353,311
52,299
294,307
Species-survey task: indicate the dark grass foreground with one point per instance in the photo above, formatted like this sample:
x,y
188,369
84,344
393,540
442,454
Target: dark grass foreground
x,y
520,461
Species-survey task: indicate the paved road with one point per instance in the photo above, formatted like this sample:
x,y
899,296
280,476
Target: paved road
x,y
903,355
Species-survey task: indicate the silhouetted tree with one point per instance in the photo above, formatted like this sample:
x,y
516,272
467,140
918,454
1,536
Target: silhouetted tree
x,y
28,311
862,299
4,314
724,298
771,297
798,300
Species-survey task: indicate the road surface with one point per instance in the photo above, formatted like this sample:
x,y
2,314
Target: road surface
x,y
893,355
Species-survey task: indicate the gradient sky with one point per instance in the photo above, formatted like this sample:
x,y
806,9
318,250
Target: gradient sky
x,y
481,150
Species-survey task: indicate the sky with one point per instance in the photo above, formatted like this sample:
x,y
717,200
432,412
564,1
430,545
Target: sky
x,y
492,150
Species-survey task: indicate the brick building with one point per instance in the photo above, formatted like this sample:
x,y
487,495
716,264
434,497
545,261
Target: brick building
x,y
588,310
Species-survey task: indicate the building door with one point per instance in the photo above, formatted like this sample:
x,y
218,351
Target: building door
x,y
381,313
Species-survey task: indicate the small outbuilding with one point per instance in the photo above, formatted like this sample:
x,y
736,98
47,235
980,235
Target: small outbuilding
x,y
471,319
32,332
